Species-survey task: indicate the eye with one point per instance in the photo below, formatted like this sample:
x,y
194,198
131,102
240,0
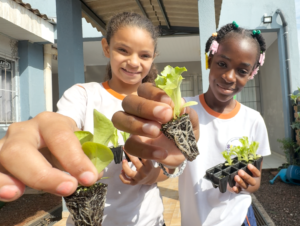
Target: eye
x,y
221,64
243,72
122,50
146,56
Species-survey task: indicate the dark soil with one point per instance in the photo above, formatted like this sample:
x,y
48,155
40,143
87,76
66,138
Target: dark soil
x,y
27,208
281,201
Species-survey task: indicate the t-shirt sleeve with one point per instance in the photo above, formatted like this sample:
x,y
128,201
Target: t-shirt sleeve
x,y
73,104
260,135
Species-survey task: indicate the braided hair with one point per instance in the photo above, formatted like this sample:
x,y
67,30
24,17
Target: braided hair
x,y
233,30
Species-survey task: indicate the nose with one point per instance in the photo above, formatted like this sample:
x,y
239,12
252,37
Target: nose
x,y
133,61
229,76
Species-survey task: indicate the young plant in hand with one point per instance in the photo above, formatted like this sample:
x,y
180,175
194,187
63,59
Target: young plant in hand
x,y
180,128
86,204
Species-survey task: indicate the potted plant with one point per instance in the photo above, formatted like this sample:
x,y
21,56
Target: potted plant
x,y
224,173
179,129
86,204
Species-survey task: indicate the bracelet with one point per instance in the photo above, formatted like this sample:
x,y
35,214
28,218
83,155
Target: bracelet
x,y
180,171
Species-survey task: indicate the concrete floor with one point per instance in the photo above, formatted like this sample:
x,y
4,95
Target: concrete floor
x,y
273,161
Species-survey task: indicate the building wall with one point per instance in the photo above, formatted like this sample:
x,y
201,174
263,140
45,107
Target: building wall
x,y
97,73
271,97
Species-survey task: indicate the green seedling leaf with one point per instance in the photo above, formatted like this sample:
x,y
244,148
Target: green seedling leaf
x,y
115,138
125,136
190,103
253,148
99,154
104,129
227,156
83,136
170,81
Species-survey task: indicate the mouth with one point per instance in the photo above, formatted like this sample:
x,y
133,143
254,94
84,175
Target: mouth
x,y
131,72
225,90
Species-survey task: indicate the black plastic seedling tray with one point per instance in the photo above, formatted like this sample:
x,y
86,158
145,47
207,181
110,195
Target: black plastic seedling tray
x,y
222,174
118,154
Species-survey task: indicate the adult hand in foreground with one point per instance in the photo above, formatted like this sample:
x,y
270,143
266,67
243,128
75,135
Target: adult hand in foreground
x,y
142,118
24,160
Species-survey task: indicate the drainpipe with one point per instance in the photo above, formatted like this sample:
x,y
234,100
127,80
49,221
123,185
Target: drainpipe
x,y
48,52
288,65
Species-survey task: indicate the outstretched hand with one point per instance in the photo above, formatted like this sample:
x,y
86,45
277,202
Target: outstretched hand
x,y
24,160
142,118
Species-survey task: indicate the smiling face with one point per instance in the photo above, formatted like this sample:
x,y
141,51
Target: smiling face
x,y
231,67
131,52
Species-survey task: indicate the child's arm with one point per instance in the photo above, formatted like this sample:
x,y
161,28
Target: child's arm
x,y
145,172
246,182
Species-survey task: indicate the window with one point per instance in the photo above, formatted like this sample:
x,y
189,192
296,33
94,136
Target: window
x,y
7,91
187,86
250,95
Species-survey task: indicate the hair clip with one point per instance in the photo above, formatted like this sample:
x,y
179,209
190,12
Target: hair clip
x,y
213,47
256,32
214,34
254,72
206,61
262,59
235,25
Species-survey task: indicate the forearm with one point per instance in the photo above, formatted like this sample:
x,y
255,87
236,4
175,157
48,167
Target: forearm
x,y
161,176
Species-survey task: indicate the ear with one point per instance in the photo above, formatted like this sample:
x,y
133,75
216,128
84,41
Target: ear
x,y
105,47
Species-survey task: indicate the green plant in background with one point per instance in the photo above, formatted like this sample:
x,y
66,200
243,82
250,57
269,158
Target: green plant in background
x,y
295,97
170,81
291,151
296,125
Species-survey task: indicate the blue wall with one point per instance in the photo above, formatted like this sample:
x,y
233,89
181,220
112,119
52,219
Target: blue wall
x,y
31,70
48,7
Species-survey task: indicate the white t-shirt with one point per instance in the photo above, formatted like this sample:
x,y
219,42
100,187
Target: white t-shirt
x,y
139,205
201,204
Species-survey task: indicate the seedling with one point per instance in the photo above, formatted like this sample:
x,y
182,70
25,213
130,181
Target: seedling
x,y
245,153
179,129
86,204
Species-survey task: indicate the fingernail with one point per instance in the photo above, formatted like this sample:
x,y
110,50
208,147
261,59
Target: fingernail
x,y
161,112
159,154
64,188
150,129
87,178
250,166
165,99
8,192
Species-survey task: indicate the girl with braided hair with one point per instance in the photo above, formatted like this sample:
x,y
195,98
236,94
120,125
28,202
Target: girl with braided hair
x,y
233,56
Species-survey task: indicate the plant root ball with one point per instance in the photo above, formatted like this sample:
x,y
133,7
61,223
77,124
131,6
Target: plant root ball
x,y
180,130
86,204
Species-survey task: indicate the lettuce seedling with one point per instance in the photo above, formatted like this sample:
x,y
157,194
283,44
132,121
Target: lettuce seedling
x,y
253,148
227,156
86,204
170,81
180,129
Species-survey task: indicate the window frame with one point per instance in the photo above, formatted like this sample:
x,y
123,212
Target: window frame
x,y
16,86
